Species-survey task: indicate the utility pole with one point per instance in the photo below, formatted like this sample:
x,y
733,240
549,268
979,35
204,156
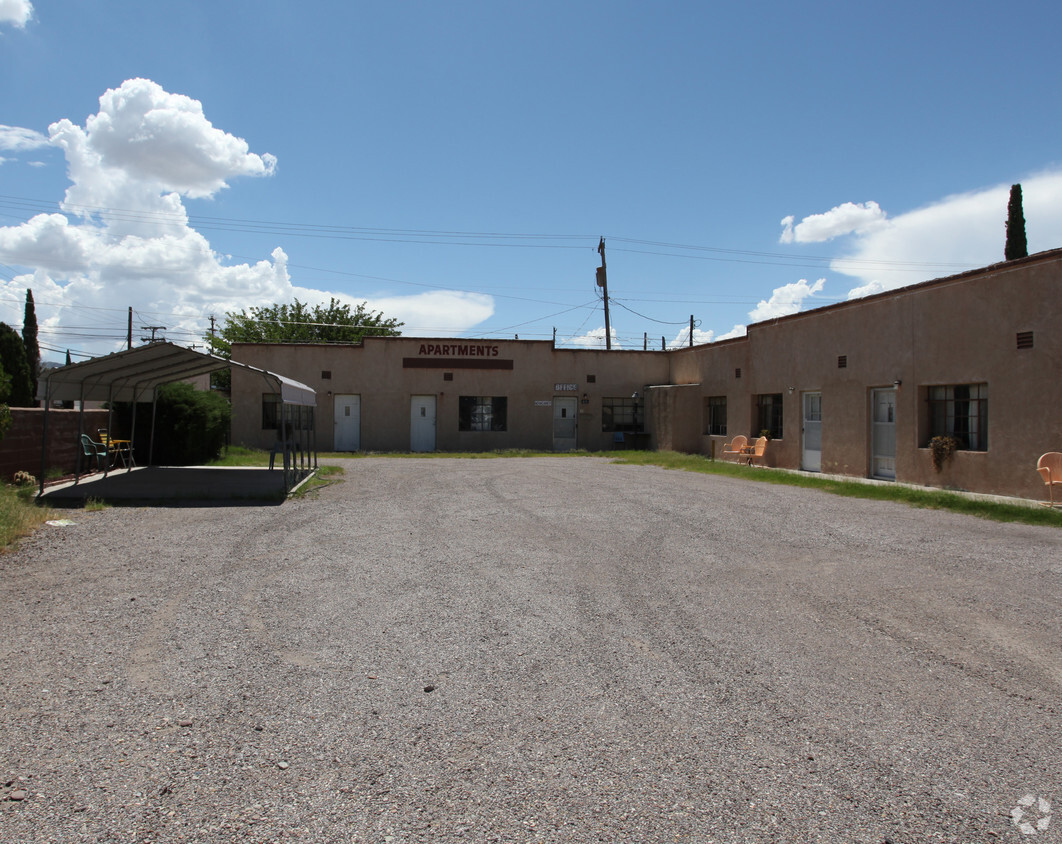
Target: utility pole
x,y
129,330
152,329
691,331
602,282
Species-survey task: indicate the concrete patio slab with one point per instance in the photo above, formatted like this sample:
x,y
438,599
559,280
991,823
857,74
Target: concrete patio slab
x,y
199,485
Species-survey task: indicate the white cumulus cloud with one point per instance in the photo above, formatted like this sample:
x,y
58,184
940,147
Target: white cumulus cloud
x,y
956,233
844,219
17,12
785,300
682,339
125,239
594,339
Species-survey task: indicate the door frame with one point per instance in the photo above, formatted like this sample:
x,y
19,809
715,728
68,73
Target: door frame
x,y
573,403
805,464
874,435
431,404
336,405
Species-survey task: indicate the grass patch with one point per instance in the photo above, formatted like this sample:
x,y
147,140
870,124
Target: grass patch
x,y
19,514
238,455
324,476
933,499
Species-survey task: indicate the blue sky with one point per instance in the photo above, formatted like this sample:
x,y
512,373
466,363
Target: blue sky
x,y
454,165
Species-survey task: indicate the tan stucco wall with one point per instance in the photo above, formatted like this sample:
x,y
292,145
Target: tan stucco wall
x,y
960,330
955,331
376,371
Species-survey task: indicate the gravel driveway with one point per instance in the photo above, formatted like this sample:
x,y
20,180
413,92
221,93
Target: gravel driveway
x,y
532,650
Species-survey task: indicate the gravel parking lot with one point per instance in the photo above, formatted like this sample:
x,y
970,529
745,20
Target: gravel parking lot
x,y
532,650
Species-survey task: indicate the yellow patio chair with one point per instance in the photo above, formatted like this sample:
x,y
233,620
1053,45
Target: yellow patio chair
x,y
1050,468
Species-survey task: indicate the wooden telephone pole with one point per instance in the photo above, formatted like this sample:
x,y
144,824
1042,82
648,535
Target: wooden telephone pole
x,y
602,282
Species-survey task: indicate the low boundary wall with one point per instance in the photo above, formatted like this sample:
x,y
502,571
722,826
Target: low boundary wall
x,y
20,449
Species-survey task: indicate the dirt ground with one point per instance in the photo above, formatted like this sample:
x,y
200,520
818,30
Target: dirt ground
x,y
532,650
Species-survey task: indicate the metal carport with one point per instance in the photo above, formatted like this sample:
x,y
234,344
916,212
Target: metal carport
x,y
134,376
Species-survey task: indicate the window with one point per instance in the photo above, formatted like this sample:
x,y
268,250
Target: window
x,y
270,411
960,411
621,415
482,413
326,374
769,415
715,416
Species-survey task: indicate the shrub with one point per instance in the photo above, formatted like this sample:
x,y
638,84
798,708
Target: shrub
x,y
191,426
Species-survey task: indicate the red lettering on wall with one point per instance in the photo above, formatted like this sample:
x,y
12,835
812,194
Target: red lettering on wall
x,y
458,350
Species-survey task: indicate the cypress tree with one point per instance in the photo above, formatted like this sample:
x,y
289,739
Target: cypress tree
x,y
29,340
1017,246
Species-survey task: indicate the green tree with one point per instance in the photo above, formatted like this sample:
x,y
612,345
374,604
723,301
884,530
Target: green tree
x,y
5,411
14,363
1017,246
29,340
299,323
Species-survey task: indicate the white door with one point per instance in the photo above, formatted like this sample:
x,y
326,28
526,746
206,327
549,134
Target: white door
x,y
883,434
811,461
422,423
565,426
347,429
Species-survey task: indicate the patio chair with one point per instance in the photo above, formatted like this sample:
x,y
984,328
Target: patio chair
x,y
736,446
758,450
94,449
1050,468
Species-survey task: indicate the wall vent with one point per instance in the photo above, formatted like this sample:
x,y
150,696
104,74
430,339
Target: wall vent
x,y
737,372
591,379
1025,339
448,376
842,361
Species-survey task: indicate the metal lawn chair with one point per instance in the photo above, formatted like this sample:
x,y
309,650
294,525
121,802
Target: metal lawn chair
x,y
1050,468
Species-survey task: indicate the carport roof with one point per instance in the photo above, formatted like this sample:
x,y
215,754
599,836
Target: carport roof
x,y
132,374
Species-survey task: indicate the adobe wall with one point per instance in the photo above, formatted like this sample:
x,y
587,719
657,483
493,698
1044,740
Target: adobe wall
x,y
961,330
386,371
20,449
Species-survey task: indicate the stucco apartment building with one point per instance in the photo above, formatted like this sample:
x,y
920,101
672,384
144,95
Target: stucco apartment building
x,y
857,388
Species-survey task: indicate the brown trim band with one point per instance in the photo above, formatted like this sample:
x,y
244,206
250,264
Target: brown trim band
x,y
456,363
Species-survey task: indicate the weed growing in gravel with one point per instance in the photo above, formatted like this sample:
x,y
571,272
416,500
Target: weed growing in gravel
x,y
934,499
324,476
19,515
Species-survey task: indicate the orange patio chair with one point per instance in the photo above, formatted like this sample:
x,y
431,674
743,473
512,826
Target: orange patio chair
x,y
758,450
737,446
1050,468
